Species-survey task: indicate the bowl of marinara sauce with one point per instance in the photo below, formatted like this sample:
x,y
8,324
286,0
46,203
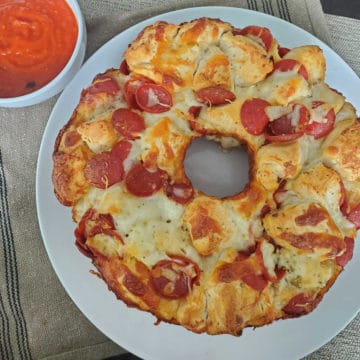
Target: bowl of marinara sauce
x,y
42,46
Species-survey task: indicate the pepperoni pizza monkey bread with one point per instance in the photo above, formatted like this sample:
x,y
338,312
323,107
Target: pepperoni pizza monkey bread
x,y
209,264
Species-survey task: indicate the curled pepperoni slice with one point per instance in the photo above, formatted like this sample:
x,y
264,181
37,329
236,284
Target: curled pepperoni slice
x,y
124,68
91,224
342,200
280,193
104,170
175,277
283,51
300,304
130,88
103,84
321,129
245,268
195,111
250,277
253,115
179,192
153,98
263,35
266,209
354,216
290,64
80,233
142,182
288,127
344,258
215,95
170,80
128,123
283,137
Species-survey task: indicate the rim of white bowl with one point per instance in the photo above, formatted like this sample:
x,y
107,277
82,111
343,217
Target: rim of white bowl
x,y
36,96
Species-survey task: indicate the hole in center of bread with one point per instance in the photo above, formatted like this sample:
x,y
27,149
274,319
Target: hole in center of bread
x,y
214,170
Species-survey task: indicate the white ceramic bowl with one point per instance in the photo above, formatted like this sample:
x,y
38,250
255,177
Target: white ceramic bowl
x,y
65,75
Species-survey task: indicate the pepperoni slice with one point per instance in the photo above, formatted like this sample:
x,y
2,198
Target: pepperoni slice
x,y
283,137
130,88
195,111
142,182
253,115
104,170
91,224
283,51
134,284
288,127
121,150
179,192
343,259
354,216
170,80
124,68
256,281
265,210
175,277
321,129
300,304
246,269
128,123
80,235
104,224
103,84
71,138
312,216
290,64
262,33
280,193
153,98
342,200
215,95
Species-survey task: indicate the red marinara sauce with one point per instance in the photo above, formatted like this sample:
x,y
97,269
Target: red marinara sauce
x,y
37,38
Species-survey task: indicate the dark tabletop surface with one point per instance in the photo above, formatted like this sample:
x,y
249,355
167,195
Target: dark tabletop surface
x,y
349,8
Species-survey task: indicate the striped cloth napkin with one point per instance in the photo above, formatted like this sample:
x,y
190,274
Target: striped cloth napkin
x,y
37,318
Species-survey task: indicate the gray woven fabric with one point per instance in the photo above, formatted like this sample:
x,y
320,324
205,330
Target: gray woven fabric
x,y
345,35
37,318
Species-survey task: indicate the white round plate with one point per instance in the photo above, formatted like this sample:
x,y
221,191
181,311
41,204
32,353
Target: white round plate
x,y
135,330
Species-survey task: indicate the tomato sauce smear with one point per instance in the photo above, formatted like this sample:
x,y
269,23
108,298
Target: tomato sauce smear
x,y
37,39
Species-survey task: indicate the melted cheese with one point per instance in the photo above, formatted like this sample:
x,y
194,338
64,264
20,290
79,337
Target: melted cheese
x,y
207,230
283,87
304,274
149,226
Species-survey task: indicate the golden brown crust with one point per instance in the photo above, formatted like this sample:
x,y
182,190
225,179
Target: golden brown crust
x,y
209,264
342,153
